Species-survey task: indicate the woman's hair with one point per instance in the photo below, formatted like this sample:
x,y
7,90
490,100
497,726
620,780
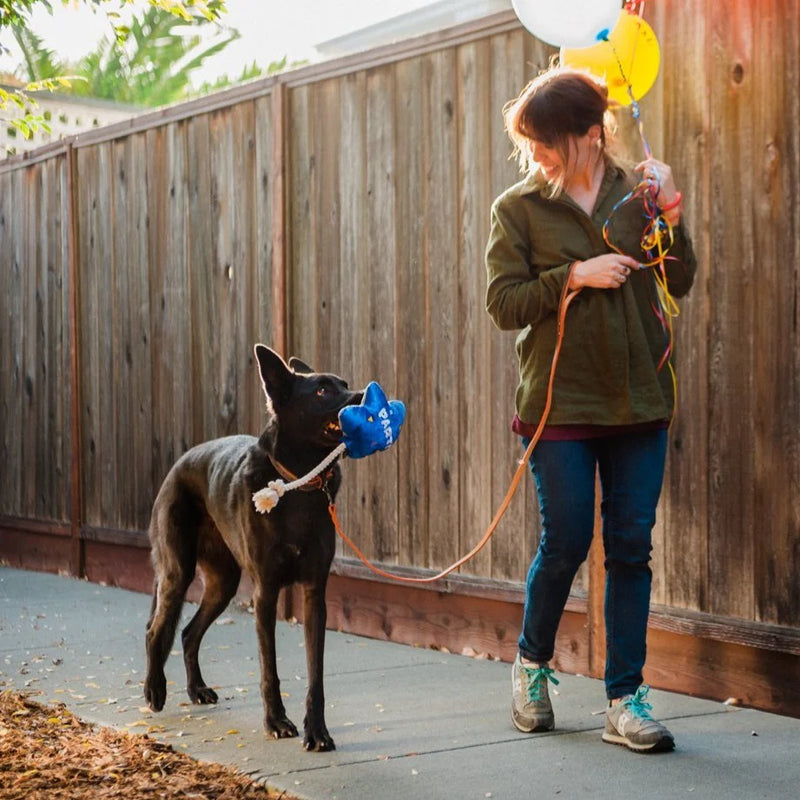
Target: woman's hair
x,y
560,103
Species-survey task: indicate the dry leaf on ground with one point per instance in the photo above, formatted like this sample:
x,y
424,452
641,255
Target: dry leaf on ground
x,y
47,752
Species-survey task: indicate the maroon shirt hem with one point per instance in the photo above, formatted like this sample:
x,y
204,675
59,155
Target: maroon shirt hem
x,y
568,433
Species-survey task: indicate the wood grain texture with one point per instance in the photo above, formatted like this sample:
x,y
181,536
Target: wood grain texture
x,y
339,213
474,386
682,561
731,402
776,380
440,204
413,323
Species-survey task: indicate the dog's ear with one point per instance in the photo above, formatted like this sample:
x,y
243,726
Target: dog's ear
x,y
300,367
276,377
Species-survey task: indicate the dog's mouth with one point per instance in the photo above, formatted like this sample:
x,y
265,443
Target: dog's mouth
x,y
333,430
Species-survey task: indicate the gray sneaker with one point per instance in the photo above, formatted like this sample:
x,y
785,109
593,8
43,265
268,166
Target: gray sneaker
x,y
530,702
629,723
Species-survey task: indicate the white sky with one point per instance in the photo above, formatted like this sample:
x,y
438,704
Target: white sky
x,y
270,29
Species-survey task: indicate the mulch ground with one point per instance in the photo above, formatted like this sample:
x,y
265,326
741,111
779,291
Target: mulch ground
x,y
47,752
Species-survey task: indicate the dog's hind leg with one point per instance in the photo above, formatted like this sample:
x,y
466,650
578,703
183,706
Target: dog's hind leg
x,y
173,537
169,592
221,576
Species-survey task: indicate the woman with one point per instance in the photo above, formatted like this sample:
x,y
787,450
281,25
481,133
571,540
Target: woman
x,y
613,391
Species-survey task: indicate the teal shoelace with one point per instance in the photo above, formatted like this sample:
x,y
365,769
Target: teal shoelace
x,y
637,704
537,681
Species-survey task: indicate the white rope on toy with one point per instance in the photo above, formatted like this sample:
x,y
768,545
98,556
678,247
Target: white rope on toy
x,y
267,498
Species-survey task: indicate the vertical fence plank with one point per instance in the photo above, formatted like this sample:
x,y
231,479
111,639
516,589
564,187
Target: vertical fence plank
x,y
13,433
381,269
54,347
11,244
106,271
683,563
325,232
302,197
474,385
139,446
267,219
70,239
29,419
441,253
354,279
517,534
47,441
412,281
228,270
203,209
173,401
243,261
776,122
124,271
652,130
90,315
731,326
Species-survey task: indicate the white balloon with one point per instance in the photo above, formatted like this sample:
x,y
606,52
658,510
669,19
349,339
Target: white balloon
x,y
568,23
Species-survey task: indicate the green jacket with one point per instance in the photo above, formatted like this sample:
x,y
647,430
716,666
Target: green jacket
x,y
607,372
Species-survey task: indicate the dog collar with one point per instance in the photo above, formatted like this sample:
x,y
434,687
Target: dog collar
x,y
320,482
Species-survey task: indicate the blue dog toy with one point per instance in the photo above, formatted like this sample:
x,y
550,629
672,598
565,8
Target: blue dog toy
x,y
374,425
367,428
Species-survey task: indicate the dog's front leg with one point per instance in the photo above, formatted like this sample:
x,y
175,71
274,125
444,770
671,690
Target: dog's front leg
x,y
316,736
277,724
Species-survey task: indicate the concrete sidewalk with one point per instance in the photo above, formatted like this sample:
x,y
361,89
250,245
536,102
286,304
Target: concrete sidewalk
x,y
408,723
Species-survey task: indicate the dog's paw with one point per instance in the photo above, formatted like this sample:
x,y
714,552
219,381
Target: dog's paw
x,y
318,741
280,728
155,692
202,695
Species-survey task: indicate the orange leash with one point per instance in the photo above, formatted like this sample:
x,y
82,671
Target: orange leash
x,y
566,298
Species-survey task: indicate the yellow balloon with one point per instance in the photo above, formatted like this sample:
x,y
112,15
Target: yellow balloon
x,y
629,59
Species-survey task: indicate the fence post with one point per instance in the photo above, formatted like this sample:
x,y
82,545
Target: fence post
x,y
280,337
77,553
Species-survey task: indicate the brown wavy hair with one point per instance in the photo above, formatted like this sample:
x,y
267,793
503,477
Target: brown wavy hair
x,y
560,103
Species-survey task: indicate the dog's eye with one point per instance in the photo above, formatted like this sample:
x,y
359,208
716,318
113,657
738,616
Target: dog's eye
x,y
322,391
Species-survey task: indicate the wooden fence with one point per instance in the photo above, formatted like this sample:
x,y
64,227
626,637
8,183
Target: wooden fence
x,y
339,213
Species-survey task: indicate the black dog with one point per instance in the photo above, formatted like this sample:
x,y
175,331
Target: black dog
x,y
204,518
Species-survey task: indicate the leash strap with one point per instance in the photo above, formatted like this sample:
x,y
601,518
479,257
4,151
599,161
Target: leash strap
x,y
567,297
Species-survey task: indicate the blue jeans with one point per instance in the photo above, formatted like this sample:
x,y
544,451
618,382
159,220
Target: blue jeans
x,y
631,473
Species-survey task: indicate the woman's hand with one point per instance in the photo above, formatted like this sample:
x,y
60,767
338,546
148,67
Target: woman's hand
x,y
609,271
660,175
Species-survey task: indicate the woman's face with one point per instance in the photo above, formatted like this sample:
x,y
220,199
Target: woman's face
x,y
548,158
579,155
